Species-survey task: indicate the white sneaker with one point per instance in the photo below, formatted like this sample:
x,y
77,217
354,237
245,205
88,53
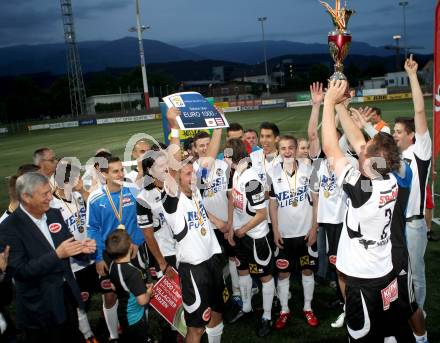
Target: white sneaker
x,y
339,322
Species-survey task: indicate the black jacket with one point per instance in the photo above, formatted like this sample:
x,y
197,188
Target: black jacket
x,y
38,272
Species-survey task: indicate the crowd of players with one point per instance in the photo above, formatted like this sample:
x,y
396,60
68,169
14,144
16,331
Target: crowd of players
x,y
255,210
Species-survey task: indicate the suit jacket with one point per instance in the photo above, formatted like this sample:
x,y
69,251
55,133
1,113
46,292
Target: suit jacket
x,y
39,274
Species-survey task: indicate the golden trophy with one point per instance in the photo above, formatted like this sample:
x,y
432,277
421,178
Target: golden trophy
x,y
339,40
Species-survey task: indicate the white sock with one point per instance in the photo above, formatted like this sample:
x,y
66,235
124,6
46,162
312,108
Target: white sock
x,y
84,325
283,294
268,292
111,319
245,291
234,278
422,338
308,282
215,333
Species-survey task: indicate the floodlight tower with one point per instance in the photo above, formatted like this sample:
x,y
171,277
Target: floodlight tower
x,y
74,72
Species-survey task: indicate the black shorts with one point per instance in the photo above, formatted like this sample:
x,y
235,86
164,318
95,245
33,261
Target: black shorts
x,y
255,255
333,233
372,311
227,248
88,282
140,261
406,303
154,267
202,290
296,255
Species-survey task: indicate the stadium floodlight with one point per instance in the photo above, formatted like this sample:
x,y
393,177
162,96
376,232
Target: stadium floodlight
x,y
404,4
140,29
262,20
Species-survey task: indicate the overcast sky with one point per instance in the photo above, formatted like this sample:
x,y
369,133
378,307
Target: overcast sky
x,y
193,22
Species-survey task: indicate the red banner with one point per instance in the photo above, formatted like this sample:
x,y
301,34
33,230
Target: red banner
x,y
436,91
167,301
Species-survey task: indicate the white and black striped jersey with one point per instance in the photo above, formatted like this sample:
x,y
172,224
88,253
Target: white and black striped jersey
x,y
74,214
292,193
150,214
418,156
248,195
215,188
192,230
364,249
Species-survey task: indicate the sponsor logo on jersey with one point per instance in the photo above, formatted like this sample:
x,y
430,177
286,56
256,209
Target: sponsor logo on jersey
x,y
282,264
304,261
106,284
55,227
389,294
258,197
388,197
85,296
126,200
238,199
206,316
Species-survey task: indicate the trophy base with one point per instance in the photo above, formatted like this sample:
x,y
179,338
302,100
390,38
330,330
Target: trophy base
x,y
340,76
337,75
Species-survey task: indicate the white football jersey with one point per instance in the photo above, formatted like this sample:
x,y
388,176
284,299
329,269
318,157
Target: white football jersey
x,y
418,156
364,249
292,193
150,213
248,196
194,233
74,214
215,188
262,166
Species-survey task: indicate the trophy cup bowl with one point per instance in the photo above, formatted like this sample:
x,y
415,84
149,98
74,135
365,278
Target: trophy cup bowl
x,y
339,43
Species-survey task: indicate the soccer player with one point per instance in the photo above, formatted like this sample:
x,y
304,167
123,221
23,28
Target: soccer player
x,y
215,200
111,207
292,209
364,252
198,251
263,159
139,149
150,213
69,201
412,137
251,136
302,153
250,233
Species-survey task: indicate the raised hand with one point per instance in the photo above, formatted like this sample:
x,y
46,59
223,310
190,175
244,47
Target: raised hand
x,y
172,114
316,93
335,92
411,66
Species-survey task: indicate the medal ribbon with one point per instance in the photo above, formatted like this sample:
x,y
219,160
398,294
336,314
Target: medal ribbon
x,y
118,214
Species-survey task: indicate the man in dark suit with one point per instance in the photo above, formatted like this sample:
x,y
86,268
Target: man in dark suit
x,y
47,294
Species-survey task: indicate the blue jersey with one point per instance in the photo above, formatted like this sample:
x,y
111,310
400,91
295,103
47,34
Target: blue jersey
x,y
101,220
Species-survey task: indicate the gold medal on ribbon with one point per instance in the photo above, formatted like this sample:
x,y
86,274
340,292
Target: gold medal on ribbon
x,y
118,213
294,203
210,193
199,216
80,229
203,231
326,193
